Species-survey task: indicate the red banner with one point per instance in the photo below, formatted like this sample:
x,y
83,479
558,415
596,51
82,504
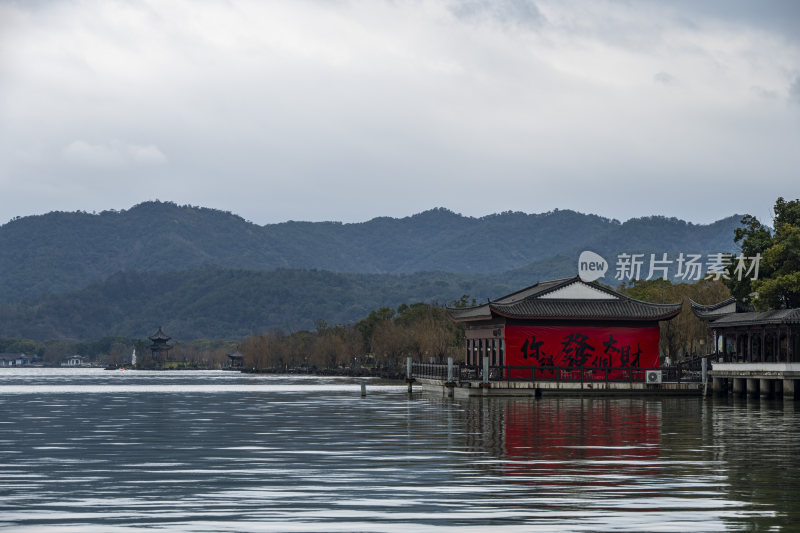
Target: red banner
x,y
581,346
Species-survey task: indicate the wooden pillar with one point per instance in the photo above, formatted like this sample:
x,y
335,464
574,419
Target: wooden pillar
x,y
786,353
724,348
738,386
763,338
749,353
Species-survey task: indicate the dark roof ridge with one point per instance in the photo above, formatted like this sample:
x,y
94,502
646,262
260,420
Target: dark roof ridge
x,y
557,283
160,335
622,296
711,307
772,316
467,308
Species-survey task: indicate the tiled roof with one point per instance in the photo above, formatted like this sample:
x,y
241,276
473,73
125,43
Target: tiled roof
x,y
533,290
483,312
619,309
717,310
160,336
773,317
587,301
480,312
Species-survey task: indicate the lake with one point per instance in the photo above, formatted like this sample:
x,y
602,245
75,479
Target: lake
x,y
88,450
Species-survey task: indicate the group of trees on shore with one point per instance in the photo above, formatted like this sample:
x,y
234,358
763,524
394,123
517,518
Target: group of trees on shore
x,y
777,285
205,354
685,335
381,341
424,332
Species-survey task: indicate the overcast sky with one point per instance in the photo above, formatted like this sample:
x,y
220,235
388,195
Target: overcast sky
x,y
347,110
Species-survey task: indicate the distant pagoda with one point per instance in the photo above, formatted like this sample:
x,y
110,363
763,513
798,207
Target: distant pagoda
x,y
160,344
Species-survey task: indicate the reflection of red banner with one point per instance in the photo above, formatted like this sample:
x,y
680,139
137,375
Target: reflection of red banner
x,y
582,346
559,434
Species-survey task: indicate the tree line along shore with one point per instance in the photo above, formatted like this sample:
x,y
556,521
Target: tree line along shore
x,y
376,345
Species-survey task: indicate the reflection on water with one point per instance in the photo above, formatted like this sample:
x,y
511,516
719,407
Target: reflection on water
x,y
88,450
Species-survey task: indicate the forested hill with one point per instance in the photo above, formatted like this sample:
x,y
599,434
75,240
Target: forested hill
x,y
229,304
60,252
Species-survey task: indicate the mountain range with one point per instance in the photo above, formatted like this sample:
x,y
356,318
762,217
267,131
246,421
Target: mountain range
x,y
206,273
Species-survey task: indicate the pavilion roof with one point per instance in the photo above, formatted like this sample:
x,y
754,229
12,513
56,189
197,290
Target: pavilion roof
x,y
764,318
160,336
569,298
714,311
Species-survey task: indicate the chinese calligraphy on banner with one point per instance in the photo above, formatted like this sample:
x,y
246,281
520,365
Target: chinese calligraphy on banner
x,y
576,346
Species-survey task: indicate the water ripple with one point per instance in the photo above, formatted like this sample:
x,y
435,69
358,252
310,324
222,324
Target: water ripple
x,y
91,451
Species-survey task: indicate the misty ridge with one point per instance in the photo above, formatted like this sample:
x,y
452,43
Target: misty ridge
x,y
207,273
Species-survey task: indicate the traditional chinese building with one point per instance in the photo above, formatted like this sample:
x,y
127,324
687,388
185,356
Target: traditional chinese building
x,y
236,360
160,344
742,335
755,352
564,323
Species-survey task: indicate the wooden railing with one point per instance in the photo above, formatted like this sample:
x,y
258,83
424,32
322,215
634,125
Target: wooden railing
x,y
461,372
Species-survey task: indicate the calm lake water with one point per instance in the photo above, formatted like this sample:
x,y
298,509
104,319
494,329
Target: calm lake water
x,y
88,450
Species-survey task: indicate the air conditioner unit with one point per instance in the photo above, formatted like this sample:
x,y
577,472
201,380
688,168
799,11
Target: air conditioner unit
x,y
653,376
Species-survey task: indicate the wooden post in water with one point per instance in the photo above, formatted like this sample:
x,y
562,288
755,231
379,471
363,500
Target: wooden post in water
x,y
363,390
486,369
409,377
450,383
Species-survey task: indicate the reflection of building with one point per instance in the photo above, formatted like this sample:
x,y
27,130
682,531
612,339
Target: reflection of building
x,y
758,351
561,430
564,323
160,344
544,438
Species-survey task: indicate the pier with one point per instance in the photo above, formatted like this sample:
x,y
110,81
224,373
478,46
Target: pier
x,y
464,381
756,379
755,353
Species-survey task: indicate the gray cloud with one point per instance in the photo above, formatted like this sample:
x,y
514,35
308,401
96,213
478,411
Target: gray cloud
x,y
664,78
519,12
347,110
794,90
112,154
774,16
761,92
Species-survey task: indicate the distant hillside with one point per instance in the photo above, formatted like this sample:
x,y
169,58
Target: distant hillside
x,y
221,303
60,252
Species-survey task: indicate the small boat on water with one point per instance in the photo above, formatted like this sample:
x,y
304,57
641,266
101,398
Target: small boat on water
x,y
112,366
